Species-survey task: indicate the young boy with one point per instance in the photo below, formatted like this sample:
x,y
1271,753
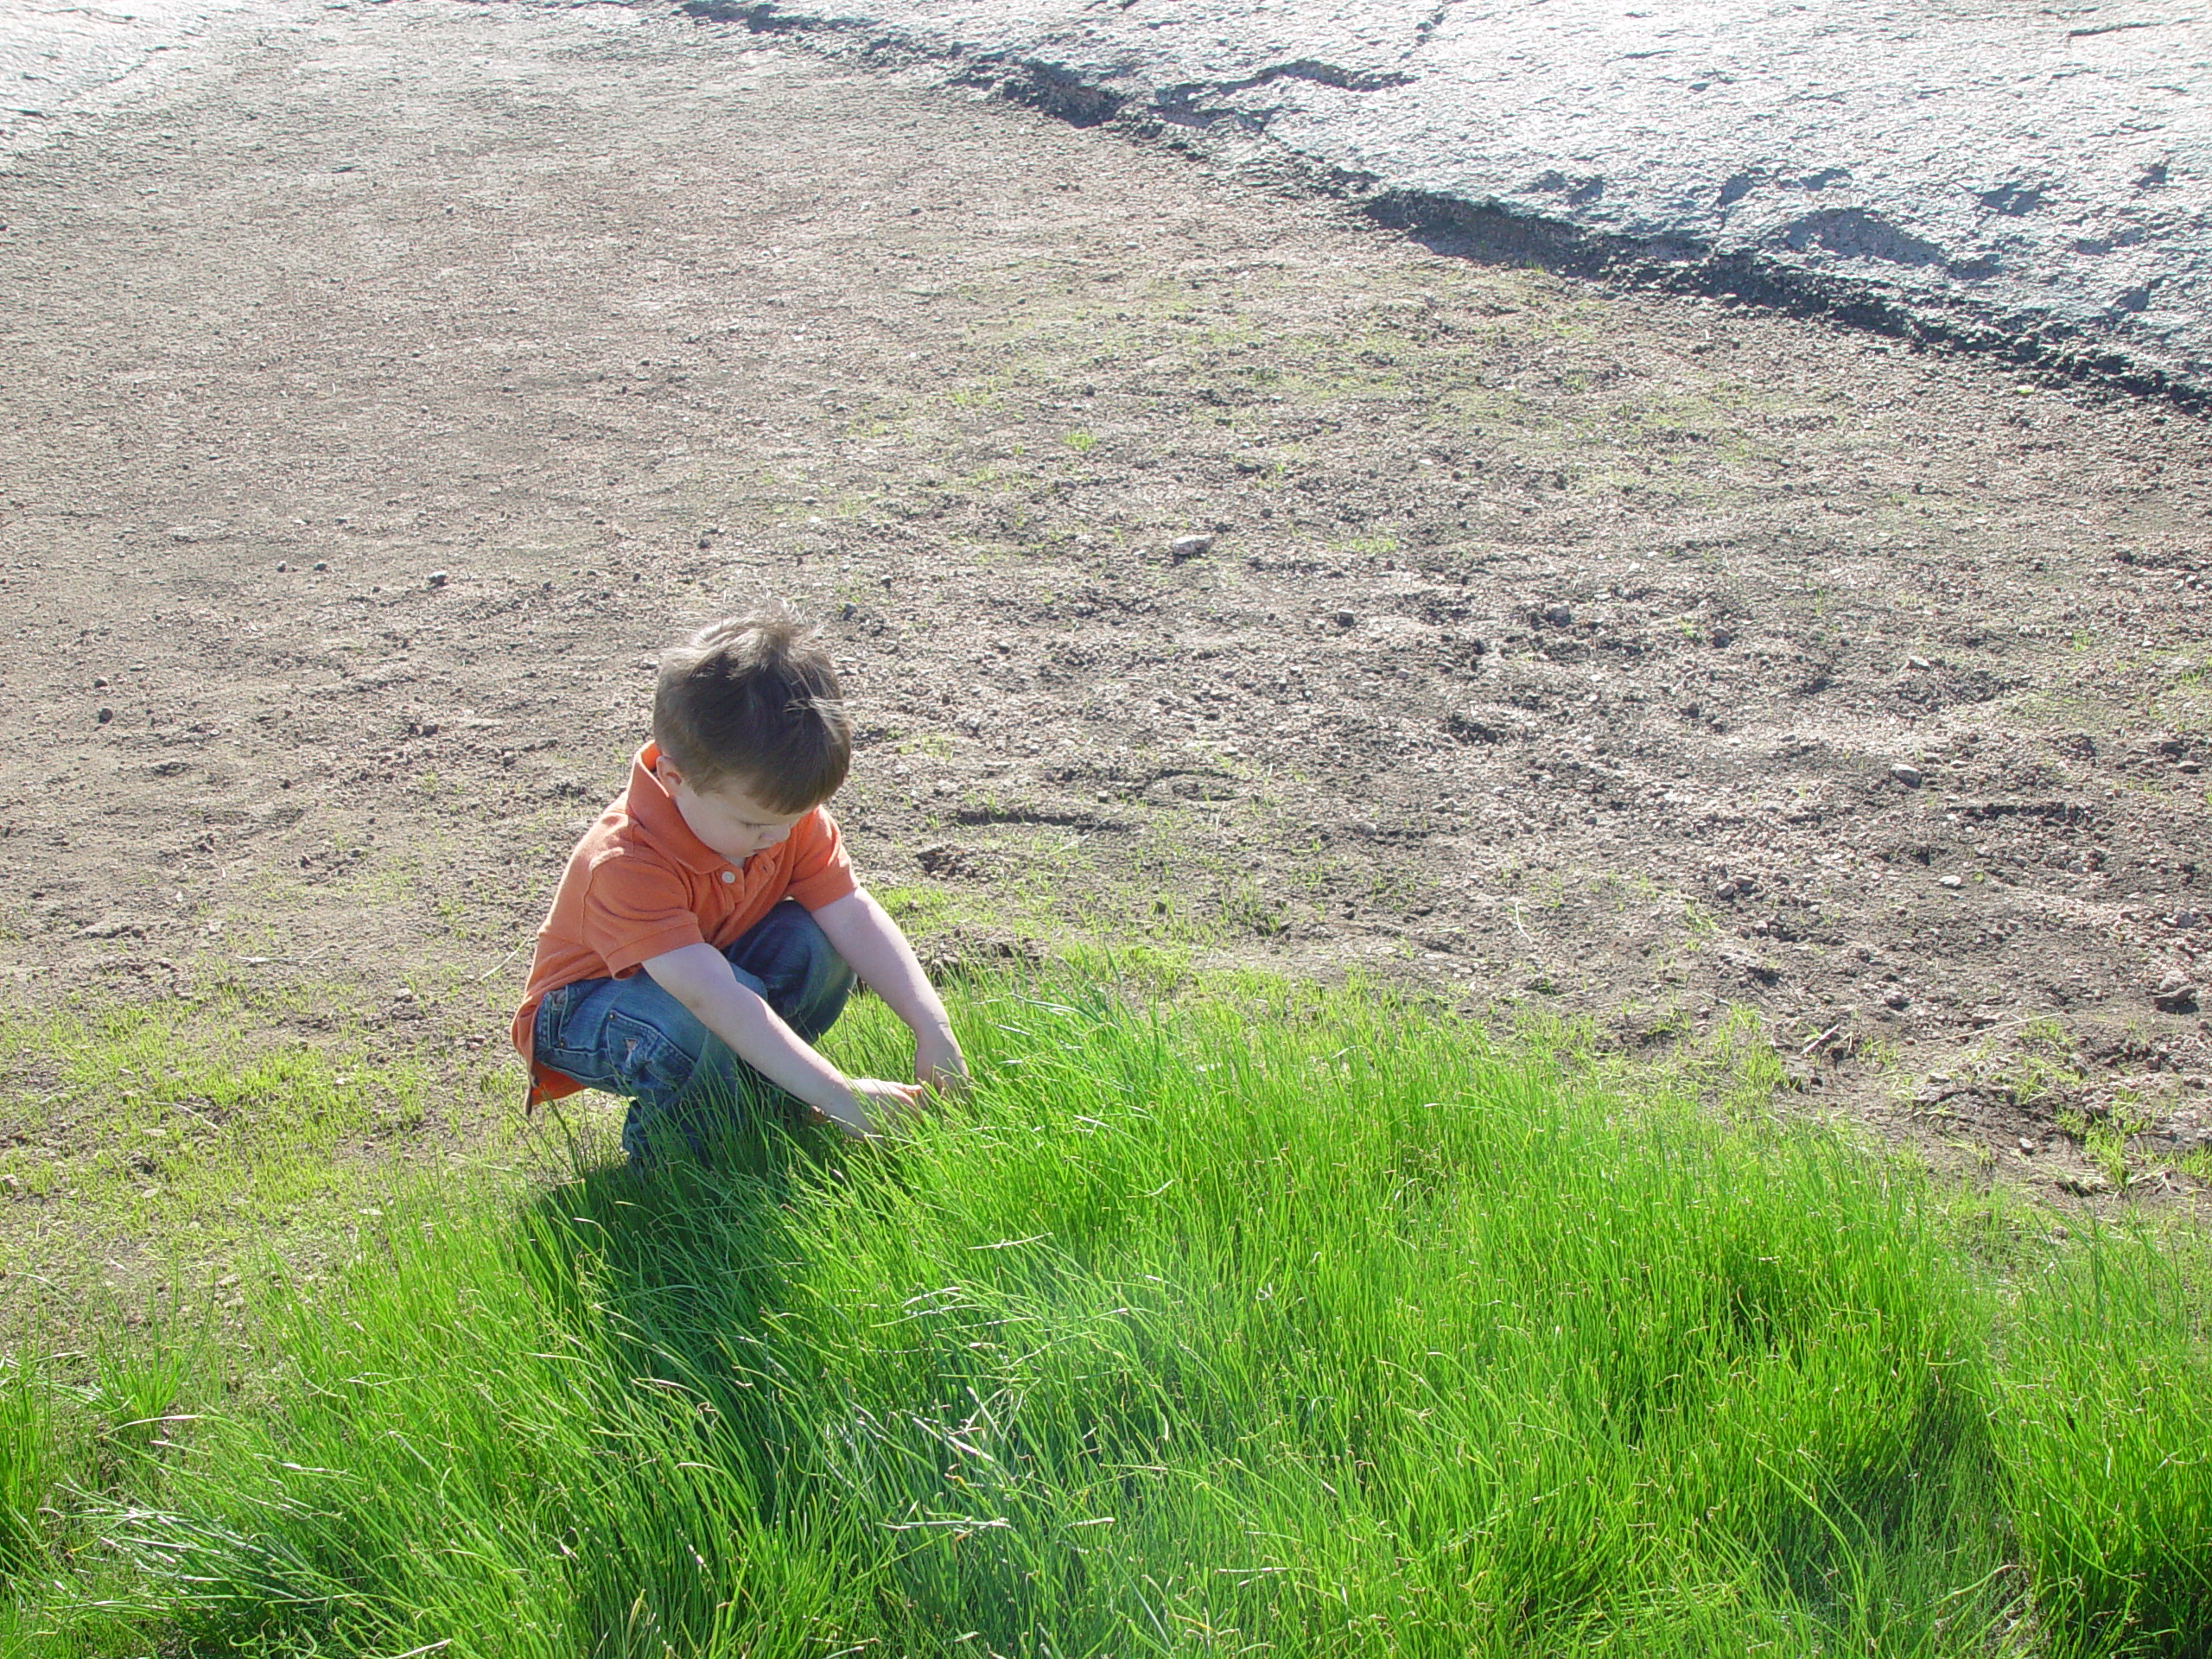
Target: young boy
x,y
718,875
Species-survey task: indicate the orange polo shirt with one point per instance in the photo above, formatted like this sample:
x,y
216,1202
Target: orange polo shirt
x,y
640,884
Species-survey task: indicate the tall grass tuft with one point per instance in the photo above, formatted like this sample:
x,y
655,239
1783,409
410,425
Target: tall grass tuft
x,y
26,1461
2105,1422
1309,1325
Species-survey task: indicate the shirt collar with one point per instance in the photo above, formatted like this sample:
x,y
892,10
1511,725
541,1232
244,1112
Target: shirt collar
x,y
653,810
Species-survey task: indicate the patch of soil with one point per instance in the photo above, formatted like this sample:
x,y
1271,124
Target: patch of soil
x,y
386,394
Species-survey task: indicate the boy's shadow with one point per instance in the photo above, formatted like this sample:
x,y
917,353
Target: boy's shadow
x,y
663,1288
678,1272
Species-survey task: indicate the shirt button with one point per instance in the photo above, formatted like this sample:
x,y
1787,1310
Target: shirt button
x,y
730,875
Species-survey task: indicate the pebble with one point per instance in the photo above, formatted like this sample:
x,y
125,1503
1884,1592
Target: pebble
x,y
2175,994
1189,547
104,715
438,578
282,566
1916,662
2186,919
1560,616
1345,619
322,564
1952,882
1906,774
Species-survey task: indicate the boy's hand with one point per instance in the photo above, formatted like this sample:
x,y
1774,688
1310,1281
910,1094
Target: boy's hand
x,y
939,1065
876,1107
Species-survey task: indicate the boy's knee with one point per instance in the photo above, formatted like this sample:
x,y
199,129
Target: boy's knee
x,y
798,968
820,992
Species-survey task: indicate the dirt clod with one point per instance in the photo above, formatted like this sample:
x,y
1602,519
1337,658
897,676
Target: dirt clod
x,y
2175,994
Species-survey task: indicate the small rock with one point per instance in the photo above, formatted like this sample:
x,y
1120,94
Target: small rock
x,y
1900,1000
2186,919
1917,662
438,578
1189,547
1345,618
1952,882
2175,994
322,564
282,566
98,681
1465,727
1905,773
1557,615
104,715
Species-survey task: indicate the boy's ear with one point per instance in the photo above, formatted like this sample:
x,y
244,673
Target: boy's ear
x,y
670,775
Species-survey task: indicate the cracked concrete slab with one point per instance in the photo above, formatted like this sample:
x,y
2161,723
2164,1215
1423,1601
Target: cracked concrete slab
x,y
2035,182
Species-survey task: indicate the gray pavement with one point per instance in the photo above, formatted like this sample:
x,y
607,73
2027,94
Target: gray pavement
x,y
62,63
2033,179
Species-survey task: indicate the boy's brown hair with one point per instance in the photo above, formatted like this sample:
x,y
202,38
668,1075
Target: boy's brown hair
x,y
753,700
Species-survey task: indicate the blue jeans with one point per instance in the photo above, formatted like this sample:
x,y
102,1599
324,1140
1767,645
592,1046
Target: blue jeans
x,y
629,1037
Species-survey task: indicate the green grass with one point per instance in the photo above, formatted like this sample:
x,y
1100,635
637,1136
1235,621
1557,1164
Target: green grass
x,y
147,1151
1283,1321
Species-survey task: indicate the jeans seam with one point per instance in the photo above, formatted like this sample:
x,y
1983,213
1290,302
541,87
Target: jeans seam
x,y
645,1059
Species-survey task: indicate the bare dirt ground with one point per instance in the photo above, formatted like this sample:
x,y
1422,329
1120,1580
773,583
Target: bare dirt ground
x,y
382,397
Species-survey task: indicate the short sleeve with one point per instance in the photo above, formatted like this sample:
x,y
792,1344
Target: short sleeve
x,y
636,907
821,871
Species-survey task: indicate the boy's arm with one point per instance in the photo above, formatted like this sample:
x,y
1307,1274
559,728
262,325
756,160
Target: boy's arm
x,y
872,944
699,977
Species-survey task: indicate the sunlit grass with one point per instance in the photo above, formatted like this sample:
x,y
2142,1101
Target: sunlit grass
x,y
1285,1321
146,1150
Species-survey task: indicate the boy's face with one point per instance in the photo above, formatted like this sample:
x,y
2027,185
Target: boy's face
x,y
725,818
